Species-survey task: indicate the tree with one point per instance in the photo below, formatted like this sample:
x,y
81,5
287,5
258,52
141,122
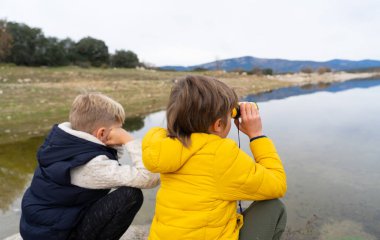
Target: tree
x,y
68,46
91,50
30,47
268,71
52,53
307,70
24,45
200,69
125,59
323,70
238,70
256,71
27,42
5,41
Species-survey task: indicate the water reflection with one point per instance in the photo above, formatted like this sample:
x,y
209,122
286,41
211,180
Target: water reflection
x,y
312,88
17,163
328,141
133,123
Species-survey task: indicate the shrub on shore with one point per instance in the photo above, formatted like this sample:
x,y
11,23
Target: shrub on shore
x,y
23,45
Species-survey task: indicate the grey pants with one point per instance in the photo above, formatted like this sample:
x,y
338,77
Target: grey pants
x,y
264,220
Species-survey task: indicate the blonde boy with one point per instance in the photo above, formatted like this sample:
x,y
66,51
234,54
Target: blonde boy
x,y
69,196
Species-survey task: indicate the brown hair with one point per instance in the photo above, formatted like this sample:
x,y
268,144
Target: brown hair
x,y
195,103
92,110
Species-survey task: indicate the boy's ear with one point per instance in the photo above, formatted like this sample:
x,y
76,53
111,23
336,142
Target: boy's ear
x,y
100,134
217,126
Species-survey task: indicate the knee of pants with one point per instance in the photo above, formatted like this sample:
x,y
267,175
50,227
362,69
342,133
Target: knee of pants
x,y
138,196
273,205
276,204
131,194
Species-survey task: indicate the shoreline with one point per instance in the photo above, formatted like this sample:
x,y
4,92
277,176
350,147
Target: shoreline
x,y
304,78
36,98
140,229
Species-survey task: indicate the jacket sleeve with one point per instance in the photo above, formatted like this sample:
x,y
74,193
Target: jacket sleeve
x,y
239,177
104,173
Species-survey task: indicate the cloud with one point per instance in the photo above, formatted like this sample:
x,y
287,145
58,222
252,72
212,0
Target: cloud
x,y
191,32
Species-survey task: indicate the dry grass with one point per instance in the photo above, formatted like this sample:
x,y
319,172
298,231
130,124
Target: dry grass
x,y
32,99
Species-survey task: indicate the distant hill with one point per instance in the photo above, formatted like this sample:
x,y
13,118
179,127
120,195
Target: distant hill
x,y
278,65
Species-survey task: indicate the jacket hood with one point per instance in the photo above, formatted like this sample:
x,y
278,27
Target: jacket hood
x,y
162,154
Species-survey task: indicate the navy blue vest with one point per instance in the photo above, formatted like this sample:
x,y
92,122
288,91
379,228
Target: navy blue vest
x,y
52,206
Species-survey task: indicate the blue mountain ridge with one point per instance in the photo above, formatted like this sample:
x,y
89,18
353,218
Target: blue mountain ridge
x,y
247,63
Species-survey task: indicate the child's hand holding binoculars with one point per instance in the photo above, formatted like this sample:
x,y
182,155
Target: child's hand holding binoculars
x,y
250,123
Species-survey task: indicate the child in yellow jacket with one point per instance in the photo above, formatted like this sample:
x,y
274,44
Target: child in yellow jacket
x,y
203,173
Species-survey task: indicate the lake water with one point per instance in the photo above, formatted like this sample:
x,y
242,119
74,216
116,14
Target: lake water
x,y
328,137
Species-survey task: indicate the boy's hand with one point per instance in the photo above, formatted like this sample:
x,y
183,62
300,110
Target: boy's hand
x,y
118,136
250,120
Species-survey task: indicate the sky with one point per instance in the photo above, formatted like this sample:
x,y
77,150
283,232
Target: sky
x,y
175,32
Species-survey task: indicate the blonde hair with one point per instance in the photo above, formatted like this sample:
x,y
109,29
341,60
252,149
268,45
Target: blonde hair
x,y
90,111
195,103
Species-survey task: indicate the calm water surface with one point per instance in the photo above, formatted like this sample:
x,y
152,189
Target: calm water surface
x,y
328,137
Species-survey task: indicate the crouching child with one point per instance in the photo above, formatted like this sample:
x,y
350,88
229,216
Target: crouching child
x,y
70,194
204,173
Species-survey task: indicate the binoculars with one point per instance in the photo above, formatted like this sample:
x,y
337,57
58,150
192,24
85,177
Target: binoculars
x,y
236,110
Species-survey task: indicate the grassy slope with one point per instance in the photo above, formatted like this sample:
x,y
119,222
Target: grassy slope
x,y
32,99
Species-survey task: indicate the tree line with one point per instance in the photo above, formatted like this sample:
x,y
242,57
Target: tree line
x,y
21,44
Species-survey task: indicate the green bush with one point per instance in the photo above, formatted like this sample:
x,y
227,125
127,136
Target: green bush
x,y
307,70
124,59
91,50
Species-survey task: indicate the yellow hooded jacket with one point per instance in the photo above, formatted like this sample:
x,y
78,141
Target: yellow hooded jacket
x,y
201,184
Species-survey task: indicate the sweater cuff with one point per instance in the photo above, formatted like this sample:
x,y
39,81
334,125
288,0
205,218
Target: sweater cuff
x,y
254,138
